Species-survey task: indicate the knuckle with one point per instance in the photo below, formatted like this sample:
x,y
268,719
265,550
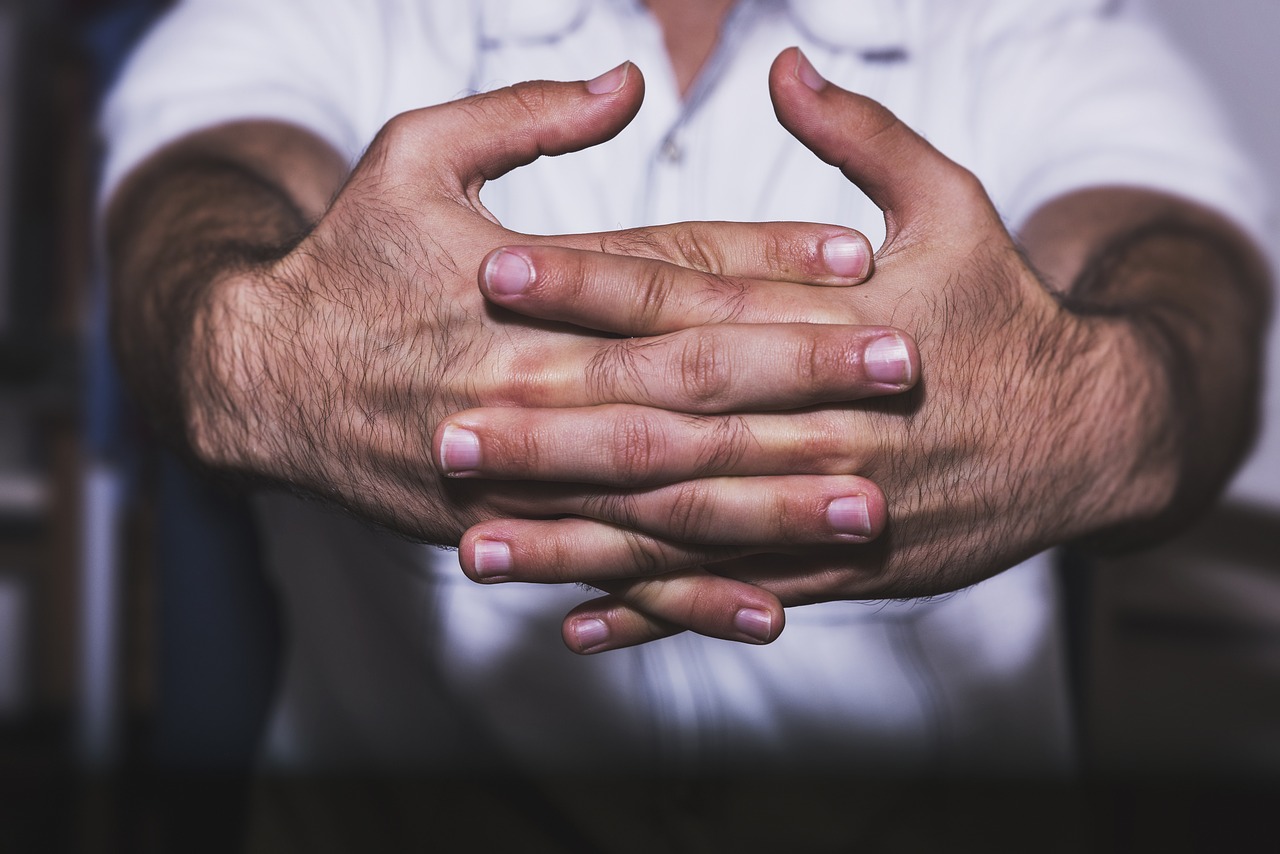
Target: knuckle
x,y
703,370
391,147
618,508
780,248
697,605
638,447
399,129
693,249
528,100
691,515
657,285
822,360
809,357
507,108
961,192
788,522
566,280
878,123
634,242
529,456
641,554
555,558
646,594
726,295
968,185
871,121
613,374
813,361
725,446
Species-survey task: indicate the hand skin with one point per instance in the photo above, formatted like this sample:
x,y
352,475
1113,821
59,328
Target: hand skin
x,y
322,359
1099,386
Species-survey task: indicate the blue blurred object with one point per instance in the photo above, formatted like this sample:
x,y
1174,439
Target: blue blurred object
x,y
217,638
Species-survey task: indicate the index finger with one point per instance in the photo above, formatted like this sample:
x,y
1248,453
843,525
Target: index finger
x,y
631,295
803,252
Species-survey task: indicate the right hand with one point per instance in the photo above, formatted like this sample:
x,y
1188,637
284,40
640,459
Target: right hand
x,y
330,369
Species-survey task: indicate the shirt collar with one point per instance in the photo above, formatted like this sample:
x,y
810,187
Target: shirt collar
x,y
530,21
857,25
861,25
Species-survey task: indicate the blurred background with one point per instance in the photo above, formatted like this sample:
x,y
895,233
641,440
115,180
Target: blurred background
x,y
105,665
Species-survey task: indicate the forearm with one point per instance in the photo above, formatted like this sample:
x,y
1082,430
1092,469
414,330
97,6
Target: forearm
x,y
198,211
1187,296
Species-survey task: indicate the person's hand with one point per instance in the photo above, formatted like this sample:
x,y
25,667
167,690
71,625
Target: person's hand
x,y
1010,443
330,369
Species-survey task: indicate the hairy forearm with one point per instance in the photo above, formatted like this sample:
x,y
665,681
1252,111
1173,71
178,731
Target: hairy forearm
x,y
1192,294
196,212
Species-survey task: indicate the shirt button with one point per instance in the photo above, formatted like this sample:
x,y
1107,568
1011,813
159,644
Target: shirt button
x,y
671,152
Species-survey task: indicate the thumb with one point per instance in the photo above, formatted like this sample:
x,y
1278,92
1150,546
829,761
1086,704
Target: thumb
x,y
902,173
482,137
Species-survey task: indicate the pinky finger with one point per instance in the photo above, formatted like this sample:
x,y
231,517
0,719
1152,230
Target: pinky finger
x,y
642,610
607,623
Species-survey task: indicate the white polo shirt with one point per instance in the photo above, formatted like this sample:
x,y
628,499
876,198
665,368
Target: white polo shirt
x,y
393,656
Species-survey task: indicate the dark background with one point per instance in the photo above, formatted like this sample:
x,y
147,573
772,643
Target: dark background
x,y
123,729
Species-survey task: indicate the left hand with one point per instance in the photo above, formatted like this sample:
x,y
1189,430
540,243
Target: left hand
x,y
1025,430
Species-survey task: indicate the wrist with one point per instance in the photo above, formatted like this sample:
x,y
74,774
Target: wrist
x,y
1186,393
228,371
1132,436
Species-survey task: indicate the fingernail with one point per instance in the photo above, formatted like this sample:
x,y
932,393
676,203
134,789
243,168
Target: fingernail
x,y
507,273
847,256
755,624
887,360
459,451
590,633
850,516
492,559
611,81
808,75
